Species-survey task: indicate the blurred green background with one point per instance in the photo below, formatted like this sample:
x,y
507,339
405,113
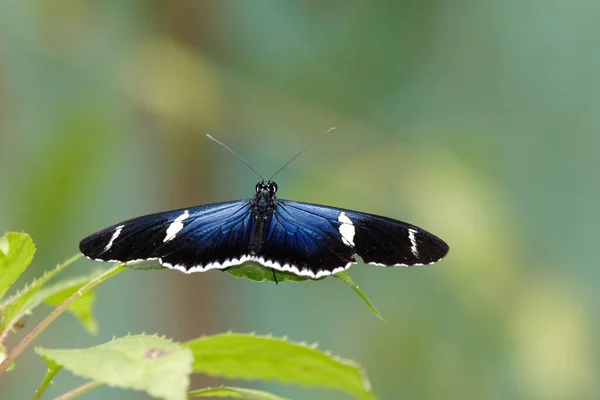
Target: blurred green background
x,y
477,120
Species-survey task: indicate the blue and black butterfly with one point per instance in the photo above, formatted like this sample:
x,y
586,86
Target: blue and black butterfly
x,y
305,239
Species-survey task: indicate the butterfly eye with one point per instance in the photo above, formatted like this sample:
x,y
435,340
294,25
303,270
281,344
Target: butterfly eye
x,y
273,187
257,188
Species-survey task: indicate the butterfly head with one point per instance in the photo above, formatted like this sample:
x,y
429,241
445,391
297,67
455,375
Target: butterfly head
x,y
266,187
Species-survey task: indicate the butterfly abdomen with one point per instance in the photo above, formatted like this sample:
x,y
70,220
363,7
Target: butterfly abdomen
x,y
262,210
258,234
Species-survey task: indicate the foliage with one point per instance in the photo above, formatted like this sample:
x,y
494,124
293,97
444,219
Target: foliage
x,y
258,273
153,364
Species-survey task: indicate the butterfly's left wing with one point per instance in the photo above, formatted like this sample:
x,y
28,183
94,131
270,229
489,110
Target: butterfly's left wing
x,y
190,240
315,240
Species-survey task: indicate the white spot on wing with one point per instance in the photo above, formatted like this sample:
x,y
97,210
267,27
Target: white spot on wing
x,y
347,229
413,241
115,235
176,226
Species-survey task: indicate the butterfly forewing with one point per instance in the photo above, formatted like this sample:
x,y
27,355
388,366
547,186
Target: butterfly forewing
x,y
197,238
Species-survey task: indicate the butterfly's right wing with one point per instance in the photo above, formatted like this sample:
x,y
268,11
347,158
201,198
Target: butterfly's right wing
x,y
190,240
316,240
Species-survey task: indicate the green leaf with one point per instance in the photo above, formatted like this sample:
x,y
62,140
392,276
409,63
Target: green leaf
x,y
51,317
54,294
240,356
343,276
235,393
4,245
13,307
260,273
82,308
152,364
16,252
145,265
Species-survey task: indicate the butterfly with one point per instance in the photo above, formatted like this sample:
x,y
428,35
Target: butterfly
x,y
308,240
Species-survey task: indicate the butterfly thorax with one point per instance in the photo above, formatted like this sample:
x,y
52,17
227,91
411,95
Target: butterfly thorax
x,y
263,205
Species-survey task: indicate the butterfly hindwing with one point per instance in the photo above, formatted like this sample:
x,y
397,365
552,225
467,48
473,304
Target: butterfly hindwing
x,y
194,239
377,240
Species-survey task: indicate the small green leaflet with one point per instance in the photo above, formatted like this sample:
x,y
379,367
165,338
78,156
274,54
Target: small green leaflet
x,y
16,252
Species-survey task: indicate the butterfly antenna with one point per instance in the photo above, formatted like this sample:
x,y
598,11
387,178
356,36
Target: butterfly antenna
x,y
304,149
235,154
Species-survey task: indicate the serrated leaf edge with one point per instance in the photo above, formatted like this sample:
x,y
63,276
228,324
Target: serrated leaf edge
x,y
38,349
45,278
314,346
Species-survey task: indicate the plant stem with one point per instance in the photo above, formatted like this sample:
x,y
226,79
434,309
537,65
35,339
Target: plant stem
x,y
48,275
79,391
30,337
52,371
